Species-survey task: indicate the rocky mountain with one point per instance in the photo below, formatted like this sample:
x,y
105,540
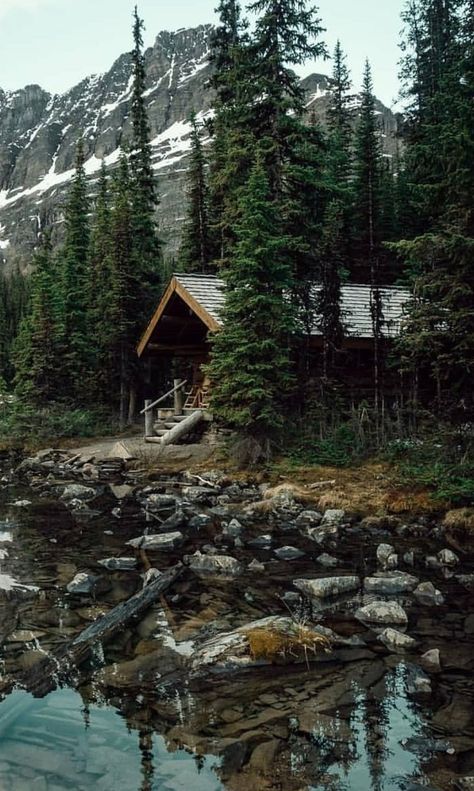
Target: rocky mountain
x,y
39,132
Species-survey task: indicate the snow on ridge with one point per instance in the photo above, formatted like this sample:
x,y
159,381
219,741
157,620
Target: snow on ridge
x,y
106,109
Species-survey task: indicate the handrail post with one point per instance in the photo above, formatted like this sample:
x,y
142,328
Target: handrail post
x,y
148,418
178,396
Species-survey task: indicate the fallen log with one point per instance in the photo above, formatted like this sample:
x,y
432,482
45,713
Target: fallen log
x,y
56,669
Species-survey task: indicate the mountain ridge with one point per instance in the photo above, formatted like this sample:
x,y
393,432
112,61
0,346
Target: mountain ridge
x,y
39,133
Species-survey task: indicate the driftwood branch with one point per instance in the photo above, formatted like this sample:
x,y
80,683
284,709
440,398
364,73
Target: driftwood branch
x,y
56,669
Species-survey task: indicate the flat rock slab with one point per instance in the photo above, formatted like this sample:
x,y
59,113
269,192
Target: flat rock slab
x,y
119,564
396,641
382,612
158,541
224,565
390,583
289,553
327,586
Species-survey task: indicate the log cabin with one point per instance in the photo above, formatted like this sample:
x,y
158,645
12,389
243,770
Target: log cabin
x,y
191,310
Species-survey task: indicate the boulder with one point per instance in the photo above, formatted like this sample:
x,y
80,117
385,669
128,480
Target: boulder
x,y
448,558
465,783
255,565
390,583
387,558
233,529
223,565
417,682
328,561
84,584
288,553
430,661
396,641
76,491
200,521
119,564
321,534
382,612
121,491
466,580
333,516
325,587
260,542
159,502
427,594
157,541
308,518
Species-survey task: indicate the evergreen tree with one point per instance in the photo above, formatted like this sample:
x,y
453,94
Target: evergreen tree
x,y
250,368
73,263
38,353
147,246
333,272
195,252
286,35
339,118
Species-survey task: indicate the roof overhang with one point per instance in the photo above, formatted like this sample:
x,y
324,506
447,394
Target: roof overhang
x,y
175,287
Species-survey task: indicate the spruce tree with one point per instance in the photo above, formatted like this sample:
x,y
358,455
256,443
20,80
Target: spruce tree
x,y
38,353
333,273
250,368
339,120
147,246
195,253
73,263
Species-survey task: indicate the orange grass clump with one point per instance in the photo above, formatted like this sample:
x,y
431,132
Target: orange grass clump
x,y
273,645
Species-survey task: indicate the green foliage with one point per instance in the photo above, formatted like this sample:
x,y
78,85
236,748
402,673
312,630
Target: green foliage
x,y
250,370
338,449
195,253
443,462
25,424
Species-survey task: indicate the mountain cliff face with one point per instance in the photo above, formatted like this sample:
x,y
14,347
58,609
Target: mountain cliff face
x,y
39,133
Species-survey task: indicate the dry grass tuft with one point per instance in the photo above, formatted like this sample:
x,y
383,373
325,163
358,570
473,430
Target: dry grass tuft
x,y
400,502
300,493
274,645
460,518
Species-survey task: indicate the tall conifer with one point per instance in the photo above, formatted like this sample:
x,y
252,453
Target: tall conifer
x,y
195,253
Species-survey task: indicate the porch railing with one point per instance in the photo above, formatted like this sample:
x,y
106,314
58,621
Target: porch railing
x,y
176,391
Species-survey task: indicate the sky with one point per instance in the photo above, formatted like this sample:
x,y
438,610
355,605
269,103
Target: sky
x,y
56,43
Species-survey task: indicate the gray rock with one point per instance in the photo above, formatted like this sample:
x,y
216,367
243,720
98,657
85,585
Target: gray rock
x,y
21,503
233,529
175,521
199,494
200,521
159,502
121,491
432,562
387,558
382,612
333,516
431,661
119,564
427,594
409,558
417,682
396,641
424,746
465,783
223,565
390,583
308,518
322,534
255,565
261,542
328,561
327,586
466,580
448,558
288,553
84,584
157,541
76,491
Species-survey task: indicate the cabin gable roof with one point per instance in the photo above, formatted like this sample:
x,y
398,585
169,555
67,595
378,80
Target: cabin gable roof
x,y
204,295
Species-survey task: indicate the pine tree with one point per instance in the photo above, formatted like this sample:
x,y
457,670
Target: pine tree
x,y
38,350
333,272
286,35
195,253
250,368
74,262
147,246
339,120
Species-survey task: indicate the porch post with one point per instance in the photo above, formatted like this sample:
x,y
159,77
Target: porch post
x,y
148,419
178,398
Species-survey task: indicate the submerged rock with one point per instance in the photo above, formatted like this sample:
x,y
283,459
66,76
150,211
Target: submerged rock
x,y
119,564
158,541
213,564
327,586
382,612
418,683
390,583
261,542
328,561
427,594
289,553
430,661
396,641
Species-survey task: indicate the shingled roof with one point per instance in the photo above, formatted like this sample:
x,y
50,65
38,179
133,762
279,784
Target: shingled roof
x,y
208,291
205,295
